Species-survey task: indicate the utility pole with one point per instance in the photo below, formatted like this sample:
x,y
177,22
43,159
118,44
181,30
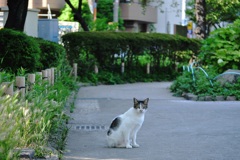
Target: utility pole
x,y
115,11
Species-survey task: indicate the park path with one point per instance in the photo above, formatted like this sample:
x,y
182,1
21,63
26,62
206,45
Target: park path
x,y
174,128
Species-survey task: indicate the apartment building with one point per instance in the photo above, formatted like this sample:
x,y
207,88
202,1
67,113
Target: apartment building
x,y
171,13
166,17
136,18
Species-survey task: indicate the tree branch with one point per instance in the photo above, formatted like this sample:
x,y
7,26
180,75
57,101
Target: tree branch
x,y
78,14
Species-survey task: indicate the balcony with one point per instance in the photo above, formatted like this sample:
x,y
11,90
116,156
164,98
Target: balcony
x,y
135,12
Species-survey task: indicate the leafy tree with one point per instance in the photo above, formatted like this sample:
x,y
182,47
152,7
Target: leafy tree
x,y
216,11
17,14
77,14
104,15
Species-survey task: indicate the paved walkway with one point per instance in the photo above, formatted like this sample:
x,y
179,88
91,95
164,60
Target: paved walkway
x,y
174,128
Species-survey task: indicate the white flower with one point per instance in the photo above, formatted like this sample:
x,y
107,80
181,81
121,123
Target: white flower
x,y
219,61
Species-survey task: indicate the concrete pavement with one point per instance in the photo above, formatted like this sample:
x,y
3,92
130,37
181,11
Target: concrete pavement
x,y
174,128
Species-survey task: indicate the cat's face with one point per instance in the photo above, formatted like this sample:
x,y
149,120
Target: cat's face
x,y
140,106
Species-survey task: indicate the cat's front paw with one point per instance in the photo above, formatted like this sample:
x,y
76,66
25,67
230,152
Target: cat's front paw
x,y
136,145
128,146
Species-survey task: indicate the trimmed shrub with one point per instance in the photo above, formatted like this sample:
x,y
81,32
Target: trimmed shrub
x,y
18,50
109,49
51,53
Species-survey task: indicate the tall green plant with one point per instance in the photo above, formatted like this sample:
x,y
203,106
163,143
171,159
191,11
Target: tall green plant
x,y
221,49
37,120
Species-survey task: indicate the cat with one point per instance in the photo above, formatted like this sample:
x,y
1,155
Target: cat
x,y
124,128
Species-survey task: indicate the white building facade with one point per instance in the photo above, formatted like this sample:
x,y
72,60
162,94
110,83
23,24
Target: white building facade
x,y
170,13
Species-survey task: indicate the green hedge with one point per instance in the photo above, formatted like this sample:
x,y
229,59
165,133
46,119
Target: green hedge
x,y
105,48
51,53
17,50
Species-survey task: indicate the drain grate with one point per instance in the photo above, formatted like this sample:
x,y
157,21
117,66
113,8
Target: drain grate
x,y
90,127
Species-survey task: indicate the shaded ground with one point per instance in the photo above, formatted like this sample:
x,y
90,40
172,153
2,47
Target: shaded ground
x,y
174,128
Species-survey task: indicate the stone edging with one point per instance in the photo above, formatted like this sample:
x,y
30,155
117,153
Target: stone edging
x,y
190,96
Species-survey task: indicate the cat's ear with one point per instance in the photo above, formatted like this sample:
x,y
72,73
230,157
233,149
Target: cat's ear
x,y
135,101
146,101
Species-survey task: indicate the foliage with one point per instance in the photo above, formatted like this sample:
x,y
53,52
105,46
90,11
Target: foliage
x,y
221,48
51,53
35,121
68,15
104,15
201,86
109,49
216,12
38,119
18,50
21,51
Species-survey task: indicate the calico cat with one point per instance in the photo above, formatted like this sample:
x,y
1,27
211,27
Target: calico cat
x,y
124,128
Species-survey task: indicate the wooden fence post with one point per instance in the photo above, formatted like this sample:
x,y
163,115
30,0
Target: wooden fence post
x,y
31,81
148,68
20,83
44,75
96,69
52,76
75,70
8,88
49,73
122,67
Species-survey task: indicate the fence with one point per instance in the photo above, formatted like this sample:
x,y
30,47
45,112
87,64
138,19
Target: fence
x,y
21,85
47,75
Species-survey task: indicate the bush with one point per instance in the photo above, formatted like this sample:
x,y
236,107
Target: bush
x,y
51,53
221,49
200,85
36,121
18,50
109,49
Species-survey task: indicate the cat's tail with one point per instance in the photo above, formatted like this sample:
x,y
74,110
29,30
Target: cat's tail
x,y
110,140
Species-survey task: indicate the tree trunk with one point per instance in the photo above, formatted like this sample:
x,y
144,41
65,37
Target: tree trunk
x,y
78,14
200,8
17,14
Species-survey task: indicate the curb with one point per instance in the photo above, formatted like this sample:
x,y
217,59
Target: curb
x,y
192,97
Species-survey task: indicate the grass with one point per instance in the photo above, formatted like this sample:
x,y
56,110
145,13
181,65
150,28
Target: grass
x,y
36,121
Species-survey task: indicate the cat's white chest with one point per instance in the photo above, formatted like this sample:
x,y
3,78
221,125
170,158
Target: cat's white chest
x,y
132,119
